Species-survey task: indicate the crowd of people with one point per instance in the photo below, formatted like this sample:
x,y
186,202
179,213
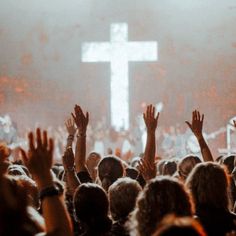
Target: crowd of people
x,y
109,195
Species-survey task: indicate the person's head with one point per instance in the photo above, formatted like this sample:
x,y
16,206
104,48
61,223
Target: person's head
x,y
14,205
179,226
16,170
160,197
228,161
186,165
131,172
135,162
122,196
31,189
91,208
169,167
209,184
160,166
92,164
110,168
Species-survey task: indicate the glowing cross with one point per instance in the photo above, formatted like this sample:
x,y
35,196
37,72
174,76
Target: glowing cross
x,y
119,52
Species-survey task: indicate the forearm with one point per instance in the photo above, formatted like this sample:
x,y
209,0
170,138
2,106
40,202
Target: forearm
x,y
80,153
205,150
70,140
72,181
54,212
150,149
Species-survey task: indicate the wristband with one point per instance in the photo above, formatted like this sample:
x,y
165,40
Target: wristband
x,y
81,135
71,136
49,192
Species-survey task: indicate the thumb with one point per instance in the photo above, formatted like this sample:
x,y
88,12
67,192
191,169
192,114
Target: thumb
x,y
189,125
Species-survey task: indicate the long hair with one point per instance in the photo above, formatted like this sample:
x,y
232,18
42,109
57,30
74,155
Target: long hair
x,y
160,197
209,184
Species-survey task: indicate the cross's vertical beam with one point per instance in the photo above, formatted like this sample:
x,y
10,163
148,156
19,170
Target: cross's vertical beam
x,y
119,87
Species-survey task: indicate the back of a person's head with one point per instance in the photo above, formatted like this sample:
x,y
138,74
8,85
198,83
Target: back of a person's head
x,y
160,197
131,172
122,196
173,226
169,167
186,165
14,218
229,162
110,168
209,183
91,207
160,166
16,170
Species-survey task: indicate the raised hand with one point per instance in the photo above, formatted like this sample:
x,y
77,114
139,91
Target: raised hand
x,y
40,156
196,127
81,120
150,119
147,170
197,124
70,126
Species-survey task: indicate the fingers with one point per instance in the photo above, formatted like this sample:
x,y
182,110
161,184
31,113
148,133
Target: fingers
x,y
87,117
45,139
31,141
74,118
38,137
189,125
202,118
51,146
24,156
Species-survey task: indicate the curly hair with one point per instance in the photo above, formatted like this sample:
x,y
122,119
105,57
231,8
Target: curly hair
x,y
160,197
209,185
122,196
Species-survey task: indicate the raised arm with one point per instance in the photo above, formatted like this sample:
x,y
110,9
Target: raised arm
x,y
81,121
72,180
151,121
39,162
196,128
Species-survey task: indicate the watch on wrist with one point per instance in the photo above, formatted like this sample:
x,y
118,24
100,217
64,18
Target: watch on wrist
x,y
49,192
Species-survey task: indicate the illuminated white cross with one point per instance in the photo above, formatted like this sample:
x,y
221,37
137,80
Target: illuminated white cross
x,y
119,52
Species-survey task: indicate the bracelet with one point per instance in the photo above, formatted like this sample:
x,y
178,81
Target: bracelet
x,y
81,135
70,136
49,192
71,169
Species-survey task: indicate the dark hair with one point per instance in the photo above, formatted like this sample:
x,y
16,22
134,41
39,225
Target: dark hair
x,y
160,197
173,226
110,168
186,165
209,184
122,196
131,172
91,208
169,167
228,161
